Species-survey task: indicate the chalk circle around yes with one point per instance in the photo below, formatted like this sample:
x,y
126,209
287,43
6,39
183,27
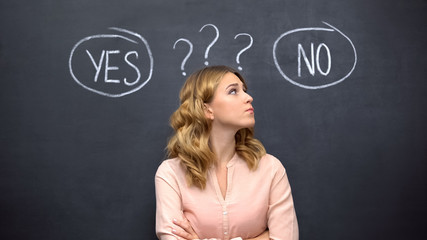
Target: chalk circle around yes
x,y
293,81
132,86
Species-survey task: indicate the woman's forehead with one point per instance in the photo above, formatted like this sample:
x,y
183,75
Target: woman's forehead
x,y
230,78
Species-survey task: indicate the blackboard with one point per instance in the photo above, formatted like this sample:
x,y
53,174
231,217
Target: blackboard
x,y
339,90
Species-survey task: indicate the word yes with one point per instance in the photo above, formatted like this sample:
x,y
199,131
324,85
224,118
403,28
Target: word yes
x,y
108,68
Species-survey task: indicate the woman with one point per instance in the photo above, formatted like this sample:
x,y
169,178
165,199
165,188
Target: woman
x,y
219,183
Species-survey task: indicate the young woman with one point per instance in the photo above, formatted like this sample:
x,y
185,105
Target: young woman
x,y
219,183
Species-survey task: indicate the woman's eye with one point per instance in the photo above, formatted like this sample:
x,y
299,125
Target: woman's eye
x,y
232,91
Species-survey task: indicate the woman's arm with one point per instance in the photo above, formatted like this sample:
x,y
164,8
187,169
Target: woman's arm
x,y
168,202
185,229
263,236
186,232
171,223
282,221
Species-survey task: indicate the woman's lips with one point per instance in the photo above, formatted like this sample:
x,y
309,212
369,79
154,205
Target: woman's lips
x,y
251,110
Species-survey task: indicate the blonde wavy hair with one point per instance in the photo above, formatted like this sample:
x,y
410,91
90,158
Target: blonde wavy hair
x,y
190,143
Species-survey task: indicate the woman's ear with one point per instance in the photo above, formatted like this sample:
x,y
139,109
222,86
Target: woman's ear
x,y
208,111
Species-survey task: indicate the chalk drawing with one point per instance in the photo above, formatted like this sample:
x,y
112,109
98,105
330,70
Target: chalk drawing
x,y
213,41
105,54
251,40
190,50
311,66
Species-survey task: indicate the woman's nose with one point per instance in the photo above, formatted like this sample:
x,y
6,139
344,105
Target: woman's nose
x,y
249,98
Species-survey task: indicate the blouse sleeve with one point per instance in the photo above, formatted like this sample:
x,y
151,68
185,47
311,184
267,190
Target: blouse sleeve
x,y
282,221
168,202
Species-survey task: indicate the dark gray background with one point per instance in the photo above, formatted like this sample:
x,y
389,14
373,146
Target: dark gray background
x,y
78,165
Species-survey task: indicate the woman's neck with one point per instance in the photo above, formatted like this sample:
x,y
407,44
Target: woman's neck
x,y
223,144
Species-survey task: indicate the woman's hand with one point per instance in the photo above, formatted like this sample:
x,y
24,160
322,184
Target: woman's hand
x,y
185,231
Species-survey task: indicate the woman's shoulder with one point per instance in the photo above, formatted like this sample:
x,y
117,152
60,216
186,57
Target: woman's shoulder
x,y
270,162
169,166
171,161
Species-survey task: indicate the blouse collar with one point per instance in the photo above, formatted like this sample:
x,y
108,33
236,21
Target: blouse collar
x,y
230,163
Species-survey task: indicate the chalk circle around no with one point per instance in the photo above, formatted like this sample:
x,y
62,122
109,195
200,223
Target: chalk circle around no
x,y
299,30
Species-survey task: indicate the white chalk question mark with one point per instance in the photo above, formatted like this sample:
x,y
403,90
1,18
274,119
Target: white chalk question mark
x,y
212,43
188,54
244,49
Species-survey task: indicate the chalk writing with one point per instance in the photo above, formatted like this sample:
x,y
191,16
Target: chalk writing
x,y
108,67
251,40
190,50
311,67
310,64
213,41
111,86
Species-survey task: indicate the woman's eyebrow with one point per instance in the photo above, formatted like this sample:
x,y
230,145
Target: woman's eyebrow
x,y
232,85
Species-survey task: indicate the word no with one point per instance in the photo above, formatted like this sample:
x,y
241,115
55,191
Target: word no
x,y
311,67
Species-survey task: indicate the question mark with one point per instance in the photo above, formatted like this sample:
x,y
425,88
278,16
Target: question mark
x,y
244,49
212,43
188,54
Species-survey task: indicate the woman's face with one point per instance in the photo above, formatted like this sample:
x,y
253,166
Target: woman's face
x,y
231,107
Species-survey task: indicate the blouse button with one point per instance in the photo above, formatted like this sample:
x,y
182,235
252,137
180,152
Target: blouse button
x,y
225,233
225,212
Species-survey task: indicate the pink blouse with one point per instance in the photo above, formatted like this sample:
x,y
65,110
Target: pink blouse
x,y
254,201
